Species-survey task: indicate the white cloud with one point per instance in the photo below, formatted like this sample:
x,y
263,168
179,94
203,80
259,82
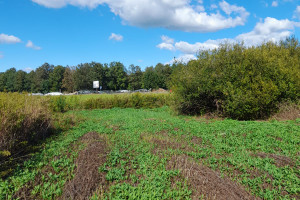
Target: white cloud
x,y
32,46
166,46
270,29
8,39
116,37
62,3
1,55
167,43
228,9
169,14
188,48
27,69
200,8
166,39
275,3
184,58
213,6
297,13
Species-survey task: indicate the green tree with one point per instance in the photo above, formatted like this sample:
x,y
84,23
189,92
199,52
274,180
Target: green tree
x,y
150,79
117,76
68,82
163,75
83,77
56,78
41,81
10,80
2,82
99,74
135,76
20,81
30,82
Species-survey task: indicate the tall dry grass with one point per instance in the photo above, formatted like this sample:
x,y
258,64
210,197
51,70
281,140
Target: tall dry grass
x,y
24,120
287,111
107,101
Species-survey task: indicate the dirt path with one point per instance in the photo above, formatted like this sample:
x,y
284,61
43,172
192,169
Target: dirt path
x,y
87,177
206,183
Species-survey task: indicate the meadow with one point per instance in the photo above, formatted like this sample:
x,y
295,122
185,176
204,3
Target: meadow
x,y
151,153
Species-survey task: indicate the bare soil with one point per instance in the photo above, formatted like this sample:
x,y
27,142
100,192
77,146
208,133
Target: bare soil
x,y
87,177
206,183
280,161
196,140
161,144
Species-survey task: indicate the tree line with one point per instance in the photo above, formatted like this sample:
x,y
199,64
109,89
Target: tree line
x,y
112,76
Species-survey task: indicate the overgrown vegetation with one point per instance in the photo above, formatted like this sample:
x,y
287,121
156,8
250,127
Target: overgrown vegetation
x,y
24,120
249,159
239,82
107,101
148,153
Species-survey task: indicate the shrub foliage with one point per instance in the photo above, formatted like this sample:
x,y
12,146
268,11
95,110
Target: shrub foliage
x,y
239,82
107,101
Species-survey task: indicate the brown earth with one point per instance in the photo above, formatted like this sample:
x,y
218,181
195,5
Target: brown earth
x,y
160,90
196,140
164,144
206,183
87,177
280,161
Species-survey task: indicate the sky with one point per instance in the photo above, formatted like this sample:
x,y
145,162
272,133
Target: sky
x,y
139,32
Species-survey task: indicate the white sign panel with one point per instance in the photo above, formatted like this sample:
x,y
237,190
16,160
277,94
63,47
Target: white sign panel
x,y
95,84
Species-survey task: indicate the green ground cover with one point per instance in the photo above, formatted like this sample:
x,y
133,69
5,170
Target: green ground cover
x,y
261,156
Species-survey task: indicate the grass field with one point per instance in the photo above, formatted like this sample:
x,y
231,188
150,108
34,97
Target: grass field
x,y
152,154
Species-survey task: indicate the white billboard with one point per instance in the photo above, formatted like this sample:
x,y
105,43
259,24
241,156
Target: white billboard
x,y
95,84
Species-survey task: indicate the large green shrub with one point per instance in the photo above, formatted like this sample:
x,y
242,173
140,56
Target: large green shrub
x,y
239,82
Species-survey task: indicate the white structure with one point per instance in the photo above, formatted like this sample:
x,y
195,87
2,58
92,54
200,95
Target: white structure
x,y
54,94
95,84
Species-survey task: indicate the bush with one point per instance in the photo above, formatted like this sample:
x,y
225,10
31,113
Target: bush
x,y
239,82
136,100
58,103
24,120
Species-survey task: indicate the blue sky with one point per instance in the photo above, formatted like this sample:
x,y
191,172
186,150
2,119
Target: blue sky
x,y
139,32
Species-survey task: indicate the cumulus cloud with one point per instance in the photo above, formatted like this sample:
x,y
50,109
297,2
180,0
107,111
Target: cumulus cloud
x,y
188,48
8,39
169,14
297,13
32,46
116,37
185,58
274,3
270,29
167,43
